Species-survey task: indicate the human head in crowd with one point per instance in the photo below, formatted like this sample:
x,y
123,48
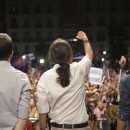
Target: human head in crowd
x,y
122,61
32,102
109,85
105,82
113,85
92,103
112,77
6,47
107,90
36,125
100,105
117,84
97,95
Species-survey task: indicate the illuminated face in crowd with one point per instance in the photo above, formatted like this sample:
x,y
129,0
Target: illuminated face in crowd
x,y
31,102
107,90
92,104
113,85
100,105
117,84
104,93
105,82
97,94
109,85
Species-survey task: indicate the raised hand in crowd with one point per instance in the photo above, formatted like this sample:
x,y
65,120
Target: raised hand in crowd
x,y
88,50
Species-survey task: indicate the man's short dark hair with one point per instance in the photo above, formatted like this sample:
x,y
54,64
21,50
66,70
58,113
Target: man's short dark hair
x,y
6,46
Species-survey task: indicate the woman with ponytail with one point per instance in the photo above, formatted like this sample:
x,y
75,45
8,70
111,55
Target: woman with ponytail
x,y
63,87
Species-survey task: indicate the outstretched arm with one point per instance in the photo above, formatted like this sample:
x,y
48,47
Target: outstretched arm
x,y
87,47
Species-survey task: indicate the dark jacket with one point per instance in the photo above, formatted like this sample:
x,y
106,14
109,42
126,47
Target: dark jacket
x,y
124,103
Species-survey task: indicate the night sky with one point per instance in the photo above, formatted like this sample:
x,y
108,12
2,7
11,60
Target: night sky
x,y
33,25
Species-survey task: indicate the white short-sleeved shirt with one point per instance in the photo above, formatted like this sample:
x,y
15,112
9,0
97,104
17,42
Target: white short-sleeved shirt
x,y
67,104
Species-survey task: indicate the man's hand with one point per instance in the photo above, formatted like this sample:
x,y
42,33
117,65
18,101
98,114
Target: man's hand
x,y
87,47
81,35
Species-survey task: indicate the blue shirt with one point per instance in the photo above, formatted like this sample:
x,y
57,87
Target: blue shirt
x,y
124,103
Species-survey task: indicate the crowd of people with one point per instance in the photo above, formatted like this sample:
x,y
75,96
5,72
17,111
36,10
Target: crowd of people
x,y
65,91
101,100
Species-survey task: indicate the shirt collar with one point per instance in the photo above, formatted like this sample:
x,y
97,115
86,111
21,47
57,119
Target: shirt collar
x,y
4,63
56,66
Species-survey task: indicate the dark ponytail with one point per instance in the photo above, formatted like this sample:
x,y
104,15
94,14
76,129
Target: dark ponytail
x,y
64,74
61,53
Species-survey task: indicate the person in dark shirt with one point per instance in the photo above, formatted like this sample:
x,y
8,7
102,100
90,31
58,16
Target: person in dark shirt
x,y
123,120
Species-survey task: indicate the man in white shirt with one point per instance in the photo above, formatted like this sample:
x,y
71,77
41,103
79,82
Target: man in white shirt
x,y
14,90
63,87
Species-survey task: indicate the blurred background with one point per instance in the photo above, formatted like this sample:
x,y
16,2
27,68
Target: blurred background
x,y
34,24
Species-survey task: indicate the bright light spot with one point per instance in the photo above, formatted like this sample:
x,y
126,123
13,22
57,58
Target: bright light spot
x,y
74,40
41,61
104,52
103,59
24,56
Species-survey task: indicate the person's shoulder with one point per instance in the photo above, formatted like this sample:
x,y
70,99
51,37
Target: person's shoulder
x,y
17,71
128,73
73,64
126,77
84,63
48,73
86,59
19,74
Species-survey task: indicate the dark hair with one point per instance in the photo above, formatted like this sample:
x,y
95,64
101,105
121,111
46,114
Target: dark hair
x,y
6,46
61,53
127,65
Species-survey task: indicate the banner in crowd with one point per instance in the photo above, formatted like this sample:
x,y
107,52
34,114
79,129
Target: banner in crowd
x,y
20,62
95,76
31,56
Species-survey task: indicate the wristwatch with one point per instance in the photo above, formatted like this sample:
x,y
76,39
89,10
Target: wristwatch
x,y
85,41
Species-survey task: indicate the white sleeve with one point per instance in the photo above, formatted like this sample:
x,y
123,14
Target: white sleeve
x,y
85,65
43,105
